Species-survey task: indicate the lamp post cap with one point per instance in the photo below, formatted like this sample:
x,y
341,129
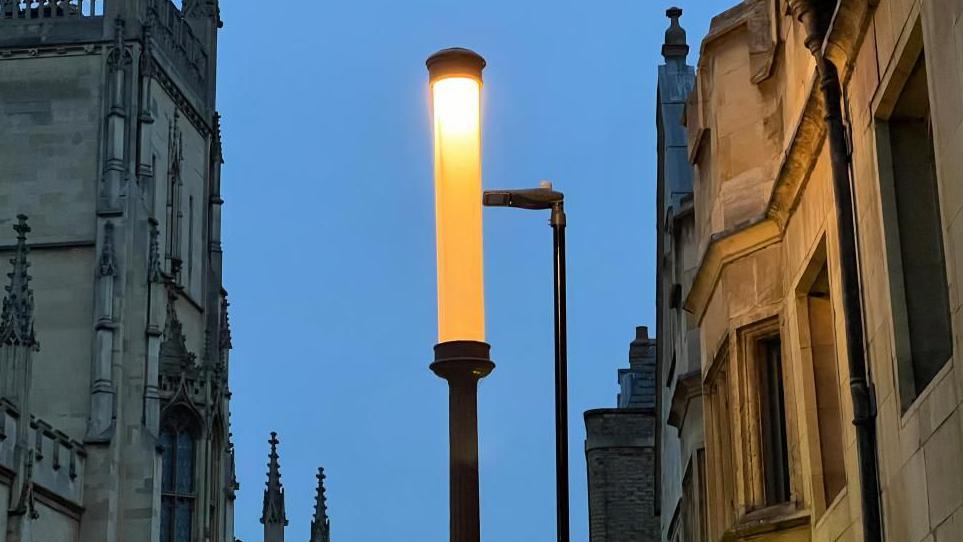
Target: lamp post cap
x,y
455,62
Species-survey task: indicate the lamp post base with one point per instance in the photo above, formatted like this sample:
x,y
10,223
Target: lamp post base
x,y
463,364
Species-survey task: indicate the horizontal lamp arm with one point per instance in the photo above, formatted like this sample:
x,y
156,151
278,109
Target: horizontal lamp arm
x,y
527,198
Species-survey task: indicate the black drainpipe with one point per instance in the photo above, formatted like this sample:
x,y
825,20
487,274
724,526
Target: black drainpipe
x,y
816,16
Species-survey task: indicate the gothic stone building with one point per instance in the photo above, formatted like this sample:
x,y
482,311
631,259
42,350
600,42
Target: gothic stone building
x,y
679,437
114,418
826,295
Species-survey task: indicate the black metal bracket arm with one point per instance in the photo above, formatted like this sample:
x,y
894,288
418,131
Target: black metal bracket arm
x,y
527,198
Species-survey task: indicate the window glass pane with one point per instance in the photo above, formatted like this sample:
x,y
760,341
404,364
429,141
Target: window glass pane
x,y
185,463
167,517
183,520
920,230
167,463
773,413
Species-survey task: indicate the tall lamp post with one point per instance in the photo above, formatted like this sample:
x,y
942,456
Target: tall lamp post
x,y
461,355
543,198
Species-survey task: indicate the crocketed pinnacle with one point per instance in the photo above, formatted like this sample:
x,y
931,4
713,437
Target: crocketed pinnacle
x,y
273,511
16,319
675,45
321,524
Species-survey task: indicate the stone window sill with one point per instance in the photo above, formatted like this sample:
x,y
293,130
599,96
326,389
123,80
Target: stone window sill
x,y
782,517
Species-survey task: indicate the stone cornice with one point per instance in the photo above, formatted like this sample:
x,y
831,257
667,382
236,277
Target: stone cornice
x,y
73,49
725,247
798,158
755,16
185,104
687,387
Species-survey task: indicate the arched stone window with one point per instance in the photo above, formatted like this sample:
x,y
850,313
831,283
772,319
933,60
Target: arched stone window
x,y
178,440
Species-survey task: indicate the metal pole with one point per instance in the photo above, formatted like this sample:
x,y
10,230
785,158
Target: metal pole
x,y
561,376
864,409
463,364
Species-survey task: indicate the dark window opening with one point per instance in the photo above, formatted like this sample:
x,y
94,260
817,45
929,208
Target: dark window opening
x,y
178,446
917,205
772,413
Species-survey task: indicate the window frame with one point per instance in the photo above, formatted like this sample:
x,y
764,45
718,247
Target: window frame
x,y
907,54
179,422
818,261
720,445
751,454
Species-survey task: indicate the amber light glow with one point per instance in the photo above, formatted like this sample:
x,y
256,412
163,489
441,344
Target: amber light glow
x,y
458,209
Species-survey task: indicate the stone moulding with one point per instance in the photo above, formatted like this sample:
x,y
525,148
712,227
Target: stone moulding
x,y
725,247
58,467
759,22
185,104
606,438
177,39
687,387
767,520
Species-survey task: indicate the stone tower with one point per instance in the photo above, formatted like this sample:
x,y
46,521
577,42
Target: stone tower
x,y
620,454
112,148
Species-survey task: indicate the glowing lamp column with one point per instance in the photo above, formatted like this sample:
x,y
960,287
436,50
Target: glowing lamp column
x,y
461,355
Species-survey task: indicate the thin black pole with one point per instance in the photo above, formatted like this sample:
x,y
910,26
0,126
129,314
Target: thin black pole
x,y
561,376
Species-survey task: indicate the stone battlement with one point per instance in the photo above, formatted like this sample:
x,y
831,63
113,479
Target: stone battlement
x,y
179,41
49,9
35,23
58,460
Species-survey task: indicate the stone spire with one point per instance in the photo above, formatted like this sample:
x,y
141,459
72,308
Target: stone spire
x,y
16,320
675,46
321,525
273,516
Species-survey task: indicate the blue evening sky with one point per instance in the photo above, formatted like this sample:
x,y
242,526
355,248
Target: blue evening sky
x,y
329,239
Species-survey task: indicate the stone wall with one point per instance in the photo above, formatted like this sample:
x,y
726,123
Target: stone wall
x,y
620,457
754,276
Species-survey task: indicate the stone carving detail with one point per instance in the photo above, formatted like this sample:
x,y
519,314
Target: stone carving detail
x,y
173,351
101,421
175,152
218,148
120,54
154,272
48,9
119,60
762,40
107,267
206,9
16,320
199,121
321,524
178,40
273,516
225,333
